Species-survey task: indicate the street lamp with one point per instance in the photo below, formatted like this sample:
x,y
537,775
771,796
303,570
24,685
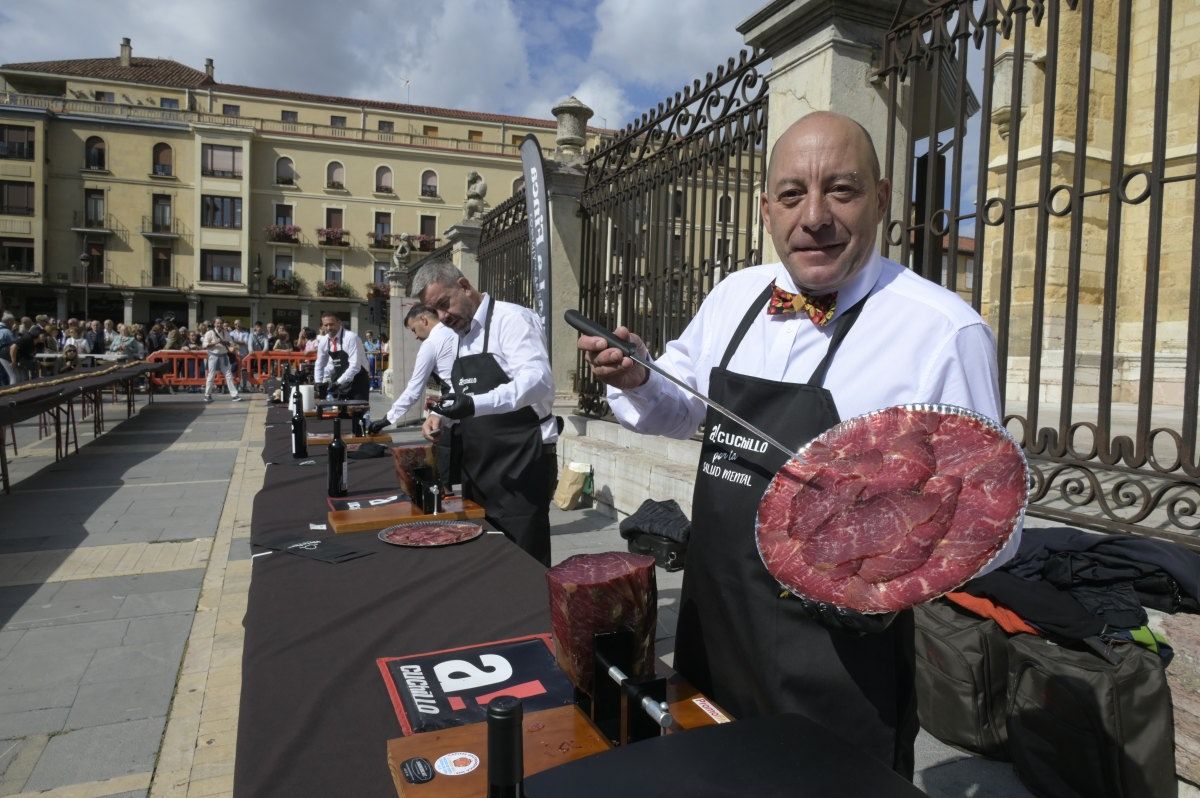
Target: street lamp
x,y
85,260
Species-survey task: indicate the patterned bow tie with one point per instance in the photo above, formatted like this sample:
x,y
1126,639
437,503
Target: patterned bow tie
x,y
819,308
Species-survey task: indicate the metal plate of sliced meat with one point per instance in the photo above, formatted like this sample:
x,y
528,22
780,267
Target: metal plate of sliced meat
x,y
430,533
893,508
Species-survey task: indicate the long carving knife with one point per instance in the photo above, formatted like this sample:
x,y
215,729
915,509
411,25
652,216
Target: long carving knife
x,y
589,327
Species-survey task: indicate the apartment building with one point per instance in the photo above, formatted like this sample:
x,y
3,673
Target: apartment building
x,y
133,188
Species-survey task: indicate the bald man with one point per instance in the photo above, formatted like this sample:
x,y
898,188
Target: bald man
x,y
831,331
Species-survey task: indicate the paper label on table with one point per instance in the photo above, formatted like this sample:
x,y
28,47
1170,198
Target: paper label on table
x,y
709,709
457,763
443,689
363,502
316,527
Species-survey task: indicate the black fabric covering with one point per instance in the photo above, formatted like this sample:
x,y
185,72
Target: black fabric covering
x,y
663,518
315,715
1051,609
779,755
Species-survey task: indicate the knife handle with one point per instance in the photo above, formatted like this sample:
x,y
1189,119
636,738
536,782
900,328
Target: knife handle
x,y
589,327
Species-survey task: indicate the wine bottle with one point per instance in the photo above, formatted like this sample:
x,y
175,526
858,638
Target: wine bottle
x,y
286,384
339,478
505,748
299,428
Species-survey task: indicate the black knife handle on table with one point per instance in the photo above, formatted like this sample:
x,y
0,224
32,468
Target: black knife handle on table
x,y
505,747
588,327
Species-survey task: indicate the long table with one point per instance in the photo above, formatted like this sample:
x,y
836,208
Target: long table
x,y
315,715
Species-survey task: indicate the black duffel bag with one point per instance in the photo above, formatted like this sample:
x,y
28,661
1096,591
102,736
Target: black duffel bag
x,y
661,530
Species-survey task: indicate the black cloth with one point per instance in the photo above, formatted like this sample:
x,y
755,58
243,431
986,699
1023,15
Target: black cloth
x,y
663,518
505,467
1051,609
757,652
315,715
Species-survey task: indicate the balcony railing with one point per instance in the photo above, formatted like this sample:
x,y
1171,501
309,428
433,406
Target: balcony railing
x,y
429,191
332,238
221,173
160,227
15,210
17,268
383,240
17,150
162,278
384,190
91,222
145,112
163,170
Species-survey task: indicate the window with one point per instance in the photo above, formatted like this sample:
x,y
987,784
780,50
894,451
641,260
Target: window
x,y
229,109
223,212
95,267
16,142
381,270
283,214
164,158
428,232
383,227
335,175
333,270
160,267
16,254
516,141
474,139
168,102
104,96
333,218
93,208
289,116
337,121
383,180
16,199
387,126
285,172
160,215
283,266
93,153
220,267
725,209
429,183
218,160
429,131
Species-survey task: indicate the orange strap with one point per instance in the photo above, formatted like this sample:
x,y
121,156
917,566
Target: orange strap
x,y
1005,618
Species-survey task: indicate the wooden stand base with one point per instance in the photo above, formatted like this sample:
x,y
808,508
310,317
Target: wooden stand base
x,y
371,519
315,439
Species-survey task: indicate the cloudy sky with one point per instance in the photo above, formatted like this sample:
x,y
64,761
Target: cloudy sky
x,y
508,56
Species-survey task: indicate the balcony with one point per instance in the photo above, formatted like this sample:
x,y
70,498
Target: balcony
x,y
21,270
381,240
335,185
289,286
282,233
332,237
165,278
334,289
16,150
160,228
429,191
15,210
163,170
221,173
384,190
94,223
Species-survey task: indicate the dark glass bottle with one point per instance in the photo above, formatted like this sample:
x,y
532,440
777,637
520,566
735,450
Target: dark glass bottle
x,y
299,427
505,748
287,384
338,464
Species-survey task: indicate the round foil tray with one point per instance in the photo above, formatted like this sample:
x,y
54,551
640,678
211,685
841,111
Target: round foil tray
x,y
395,535
944,409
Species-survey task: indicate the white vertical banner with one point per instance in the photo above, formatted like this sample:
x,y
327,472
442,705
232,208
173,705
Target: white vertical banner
x,y
537,208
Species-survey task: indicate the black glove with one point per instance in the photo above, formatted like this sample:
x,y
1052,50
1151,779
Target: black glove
x,y
377,427
456,407
320,390
842,620
341,390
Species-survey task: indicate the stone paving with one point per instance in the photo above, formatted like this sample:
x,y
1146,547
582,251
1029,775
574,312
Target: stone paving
x,y
124,571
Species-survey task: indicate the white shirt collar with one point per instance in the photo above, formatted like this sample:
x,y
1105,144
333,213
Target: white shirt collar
x,y
480,316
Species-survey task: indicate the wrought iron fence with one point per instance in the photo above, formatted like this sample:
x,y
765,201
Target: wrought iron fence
x,y
504,270
670,206
1044,166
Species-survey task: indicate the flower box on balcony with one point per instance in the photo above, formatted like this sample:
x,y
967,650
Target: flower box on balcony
x,y
332,236
333,288
381,240
335,185
424,243
378,290
384,190
282,233
282,285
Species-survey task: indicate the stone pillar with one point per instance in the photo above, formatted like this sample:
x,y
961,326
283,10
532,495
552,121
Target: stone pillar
x,y
464,250
60,304
355,313
193,311
127,296
572,116
397,308
823,54
305,309
564,185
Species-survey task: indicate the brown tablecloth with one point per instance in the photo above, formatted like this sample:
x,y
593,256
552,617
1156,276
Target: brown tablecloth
x,y
315,715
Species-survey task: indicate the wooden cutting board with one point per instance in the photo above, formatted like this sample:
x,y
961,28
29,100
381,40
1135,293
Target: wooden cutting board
x,y
371,519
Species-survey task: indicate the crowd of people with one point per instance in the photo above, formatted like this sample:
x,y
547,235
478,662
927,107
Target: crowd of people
x,y
21,340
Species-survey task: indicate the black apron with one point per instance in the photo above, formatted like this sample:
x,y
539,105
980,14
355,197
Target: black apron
x,y
360,383
738,641
505,466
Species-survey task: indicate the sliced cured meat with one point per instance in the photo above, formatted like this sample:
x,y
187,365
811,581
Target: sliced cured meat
x,y
893,508
595,593
431,533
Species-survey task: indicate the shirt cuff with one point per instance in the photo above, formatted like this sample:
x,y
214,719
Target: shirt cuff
x,y
485,404
637,403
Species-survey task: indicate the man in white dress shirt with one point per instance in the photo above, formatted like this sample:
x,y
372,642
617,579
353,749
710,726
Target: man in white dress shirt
x,y
435,359
764,343
342,362
503,394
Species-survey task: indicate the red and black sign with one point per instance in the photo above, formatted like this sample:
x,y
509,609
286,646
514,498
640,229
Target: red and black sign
x,y
443,689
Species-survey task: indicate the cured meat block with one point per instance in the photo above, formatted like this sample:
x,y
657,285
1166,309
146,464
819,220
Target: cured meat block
x,y
595,593
408,459
892,508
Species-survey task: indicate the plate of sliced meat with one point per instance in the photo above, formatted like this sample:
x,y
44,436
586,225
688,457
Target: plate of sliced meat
x,y
423,534
893,508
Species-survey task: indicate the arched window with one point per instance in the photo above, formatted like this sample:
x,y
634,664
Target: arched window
x,y
93,153
383,180
429,182
335,175
725,209
164,160
285,172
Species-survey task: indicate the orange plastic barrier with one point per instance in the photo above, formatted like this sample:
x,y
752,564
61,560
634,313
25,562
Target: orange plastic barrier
x,y
186,369
258,367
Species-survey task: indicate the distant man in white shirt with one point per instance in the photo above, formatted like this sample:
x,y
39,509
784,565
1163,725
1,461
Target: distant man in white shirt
x,y
503,394
435,360
764,343
342,361
219,345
